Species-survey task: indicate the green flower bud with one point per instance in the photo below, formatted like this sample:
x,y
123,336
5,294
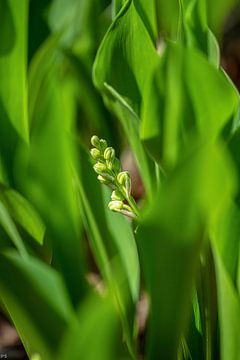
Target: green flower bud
x,y
117,195
95,141
109,153
103,180
103,144
124,179
115,205
95,153
106,179
100,168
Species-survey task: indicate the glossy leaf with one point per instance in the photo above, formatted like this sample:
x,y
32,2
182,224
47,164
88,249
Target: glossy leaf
x,y
126,55
13,64
22,212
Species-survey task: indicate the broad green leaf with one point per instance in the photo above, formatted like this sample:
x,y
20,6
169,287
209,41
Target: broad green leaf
x,y
225,234
37,302
169,240
95,315
161,114
122,234
148,11
187,77
168,14
22,212
39,69
195,24
126,56
44,173
13,64
202,78
8,225
229,312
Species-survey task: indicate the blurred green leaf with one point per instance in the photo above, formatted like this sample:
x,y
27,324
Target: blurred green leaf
x,y
36,301
44,172
13,64
225,234
11,230
22,212
170,240
161,115
188,77
218,11
95,315
229,312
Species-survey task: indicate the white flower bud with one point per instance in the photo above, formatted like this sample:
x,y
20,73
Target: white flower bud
x,y
100,168
109,153
95,153
124,179
117,195
115,205
95,141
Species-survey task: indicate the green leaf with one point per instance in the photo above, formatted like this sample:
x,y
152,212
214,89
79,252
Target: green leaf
x,y
161,114
126,56
100,315
218,10
39,69
187,77
202,78
11,230
229,312
225,235
22,212
44,174
169,240
37,302
13,64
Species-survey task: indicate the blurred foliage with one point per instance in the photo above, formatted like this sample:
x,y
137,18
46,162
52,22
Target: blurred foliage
x,y
144,74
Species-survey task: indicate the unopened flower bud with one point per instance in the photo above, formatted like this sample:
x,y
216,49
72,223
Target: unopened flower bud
x,y
115,205
103,180
124,179
95,141
95,153
117,195
100,168
109,153
103,144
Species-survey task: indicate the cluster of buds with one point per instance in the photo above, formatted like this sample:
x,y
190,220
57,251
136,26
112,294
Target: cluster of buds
x,y
108,169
